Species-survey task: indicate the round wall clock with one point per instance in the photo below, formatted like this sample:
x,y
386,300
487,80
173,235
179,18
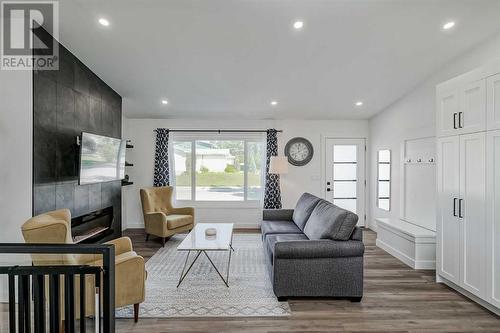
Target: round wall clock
x,y
299,151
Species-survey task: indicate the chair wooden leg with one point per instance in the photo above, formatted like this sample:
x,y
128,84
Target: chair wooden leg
x,y
147,237
136,313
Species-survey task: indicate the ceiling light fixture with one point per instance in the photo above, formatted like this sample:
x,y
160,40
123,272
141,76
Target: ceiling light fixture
x,y
274,103
360,103
298,25
448,25
104,22
165,102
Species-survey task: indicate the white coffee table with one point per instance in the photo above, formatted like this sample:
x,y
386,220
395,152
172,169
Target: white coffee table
x,y
196,241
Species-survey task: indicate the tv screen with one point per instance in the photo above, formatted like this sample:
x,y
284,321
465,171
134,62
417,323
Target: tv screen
x,y
102,159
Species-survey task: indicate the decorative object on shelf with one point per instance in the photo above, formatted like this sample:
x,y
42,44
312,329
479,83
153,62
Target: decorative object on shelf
x,y
211,233
278,165
129,144
299,151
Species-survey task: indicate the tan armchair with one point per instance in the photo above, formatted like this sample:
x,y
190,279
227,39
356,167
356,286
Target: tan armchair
x,y
130,274
160,217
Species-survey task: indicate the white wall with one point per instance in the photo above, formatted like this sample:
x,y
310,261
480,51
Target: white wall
x,y
15,162
413,116
16,119
297,181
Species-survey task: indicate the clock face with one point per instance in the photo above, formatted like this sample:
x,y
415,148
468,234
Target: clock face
x,y
299,151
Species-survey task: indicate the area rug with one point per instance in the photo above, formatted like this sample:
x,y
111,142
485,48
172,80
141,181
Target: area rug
x,y
202,293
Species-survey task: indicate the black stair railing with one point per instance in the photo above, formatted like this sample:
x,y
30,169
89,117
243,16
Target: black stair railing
x,y
31,285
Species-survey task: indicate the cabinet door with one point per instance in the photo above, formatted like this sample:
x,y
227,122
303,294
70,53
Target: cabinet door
x,y
493,217
447,112
448,226
472,113
493,102
472,206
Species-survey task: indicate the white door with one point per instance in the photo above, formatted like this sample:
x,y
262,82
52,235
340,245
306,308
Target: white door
x,y
471,211
472,113
493,102
493,217
345,175
447,112
448,225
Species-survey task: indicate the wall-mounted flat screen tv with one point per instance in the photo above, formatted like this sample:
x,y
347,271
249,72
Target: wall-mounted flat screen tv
x,y
102,159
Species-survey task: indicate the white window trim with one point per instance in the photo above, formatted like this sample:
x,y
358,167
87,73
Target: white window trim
x,y
245,137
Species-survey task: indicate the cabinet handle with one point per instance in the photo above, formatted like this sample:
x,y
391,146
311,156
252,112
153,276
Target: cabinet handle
x,y
460,206
455,207
455,120
460,116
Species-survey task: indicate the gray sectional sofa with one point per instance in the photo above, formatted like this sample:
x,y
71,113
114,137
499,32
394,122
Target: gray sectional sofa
x,y
314,250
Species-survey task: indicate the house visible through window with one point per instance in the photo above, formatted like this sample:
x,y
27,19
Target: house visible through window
x,y
218,169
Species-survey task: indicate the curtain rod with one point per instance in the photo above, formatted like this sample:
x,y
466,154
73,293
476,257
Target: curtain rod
x,y
219,131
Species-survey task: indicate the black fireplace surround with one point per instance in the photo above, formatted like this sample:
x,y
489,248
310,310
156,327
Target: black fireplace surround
x,y
65,103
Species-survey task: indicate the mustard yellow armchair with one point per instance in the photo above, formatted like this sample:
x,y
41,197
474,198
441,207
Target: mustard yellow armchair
x,y
130,274
160,217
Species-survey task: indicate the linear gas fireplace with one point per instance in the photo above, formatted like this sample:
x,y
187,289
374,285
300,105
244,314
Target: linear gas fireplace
x,y
93,227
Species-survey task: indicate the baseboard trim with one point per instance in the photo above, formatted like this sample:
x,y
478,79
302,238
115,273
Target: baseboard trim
x,y
483,303
415,264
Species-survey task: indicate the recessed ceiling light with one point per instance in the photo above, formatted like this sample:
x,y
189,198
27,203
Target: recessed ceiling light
x,y
448,25
359,103
164,102
104,22
298,25
274,103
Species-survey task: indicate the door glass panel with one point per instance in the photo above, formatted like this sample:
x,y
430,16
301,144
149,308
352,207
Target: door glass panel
x,y
345,176
384,171
344,189
383,189
344,172
345,153
349,204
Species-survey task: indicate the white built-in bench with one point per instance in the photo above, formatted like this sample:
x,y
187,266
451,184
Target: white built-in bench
x,y
413,245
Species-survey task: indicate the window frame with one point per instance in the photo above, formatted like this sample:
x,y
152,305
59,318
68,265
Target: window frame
x,y
193,138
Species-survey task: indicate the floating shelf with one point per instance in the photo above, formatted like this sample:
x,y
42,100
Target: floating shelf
x,y
125,183
129,146
127,164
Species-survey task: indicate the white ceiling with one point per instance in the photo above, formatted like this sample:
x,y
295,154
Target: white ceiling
x,y
230,58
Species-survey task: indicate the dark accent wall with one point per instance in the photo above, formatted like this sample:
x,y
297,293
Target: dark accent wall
x,y
65,103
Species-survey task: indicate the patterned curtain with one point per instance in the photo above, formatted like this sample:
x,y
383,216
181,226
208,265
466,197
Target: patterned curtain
x,y
162,170
272,194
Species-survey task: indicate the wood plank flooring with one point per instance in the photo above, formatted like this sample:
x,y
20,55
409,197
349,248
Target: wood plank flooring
x,y
397,299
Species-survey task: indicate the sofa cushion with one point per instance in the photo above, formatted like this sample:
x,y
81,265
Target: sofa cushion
x,y
303,209
271,240
278,227
330,221
176,221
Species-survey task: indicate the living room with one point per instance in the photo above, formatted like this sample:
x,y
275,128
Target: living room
x,y
250,166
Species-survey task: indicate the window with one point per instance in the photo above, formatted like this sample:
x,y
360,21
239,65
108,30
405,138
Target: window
x,y
384,180
218,168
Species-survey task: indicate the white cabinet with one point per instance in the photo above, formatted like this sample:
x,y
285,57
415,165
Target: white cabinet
x,y
447,112
471,212
448,225
468,184
493,217
472,107
493,102
461,225
461,108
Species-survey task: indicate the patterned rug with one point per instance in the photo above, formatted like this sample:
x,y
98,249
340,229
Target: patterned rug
x,y
202,293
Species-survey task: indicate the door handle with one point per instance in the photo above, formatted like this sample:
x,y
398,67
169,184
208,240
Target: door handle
x,y
460,207
460,116
455,207
455,120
